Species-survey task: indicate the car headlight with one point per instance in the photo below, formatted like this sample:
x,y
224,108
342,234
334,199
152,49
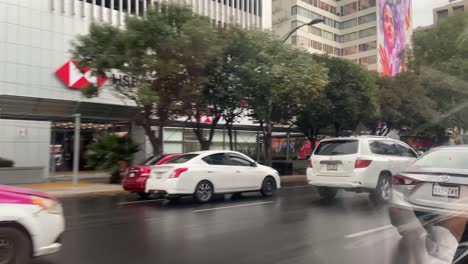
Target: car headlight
x,y
51,206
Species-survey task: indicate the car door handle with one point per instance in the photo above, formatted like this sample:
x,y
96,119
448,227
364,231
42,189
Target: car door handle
x,y
210,171
238,171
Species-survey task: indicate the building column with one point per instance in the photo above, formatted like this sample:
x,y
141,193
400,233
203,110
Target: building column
x,y
76,148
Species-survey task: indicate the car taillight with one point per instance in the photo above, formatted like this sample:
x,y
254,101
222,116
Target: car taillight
x,y
398,179
309,164
177,172
362,163
145,171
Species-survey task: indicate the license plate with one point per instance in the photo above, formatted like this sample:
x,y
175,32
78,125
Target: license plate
x,y
332,167
132,174
446,191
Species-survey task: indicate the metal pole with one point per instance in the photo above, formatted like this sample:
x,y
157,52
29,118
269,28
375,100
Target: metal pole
x,y
52,165
76,148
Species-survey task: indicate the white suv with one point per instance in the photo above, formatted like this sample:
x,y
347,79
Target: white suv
x,y
359,164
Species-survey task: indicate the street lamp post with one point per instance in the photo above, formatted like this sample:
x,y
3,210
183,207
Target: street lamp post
x,y
313,22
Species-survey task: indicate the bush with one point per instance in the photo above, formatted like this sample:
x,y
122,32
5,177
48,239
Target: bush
x,y
5,163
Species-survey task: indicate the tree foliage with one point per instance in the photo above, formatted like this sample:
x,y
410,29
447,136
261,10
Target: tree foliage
x,y
167,52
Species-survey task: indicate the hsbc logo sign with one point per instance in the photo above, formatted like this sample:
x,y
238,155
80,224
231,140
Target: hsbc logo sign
x,y
77,77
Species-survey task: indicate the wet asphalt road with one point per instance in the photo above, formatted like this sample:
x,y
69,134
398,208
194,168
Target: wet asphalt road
x,y
294,226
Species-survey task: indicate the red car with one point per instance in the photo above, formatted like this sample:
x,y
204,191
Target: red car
x,y
136,176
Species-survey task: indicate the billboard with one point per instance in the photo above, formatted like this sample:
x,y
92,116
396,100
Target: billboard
x,y
394,33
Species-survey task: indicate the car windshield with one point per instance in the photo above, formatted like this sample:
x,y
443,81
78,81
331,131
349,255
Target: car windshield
x,y
444,159
337,147
182,159
151,160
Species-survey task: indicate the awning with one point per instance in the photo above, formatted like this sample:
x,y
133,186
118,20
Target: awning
x,y
33,108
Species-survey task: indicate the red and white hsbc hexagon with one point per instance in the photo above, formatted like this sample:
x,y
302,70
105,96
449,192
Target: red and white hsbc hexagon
x,y
77,77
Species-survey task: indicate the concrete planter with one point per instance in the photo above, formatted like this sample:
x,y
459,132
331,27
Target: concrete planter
x,y
22,175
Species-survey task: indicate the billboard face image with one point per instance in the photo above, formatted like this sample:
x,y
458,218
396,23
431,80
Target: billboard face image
x,y
395,29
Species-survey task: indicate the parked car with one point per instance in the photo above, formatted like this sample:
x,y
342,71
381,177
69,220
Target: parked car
x,y
31,224
436,184
205,173
358,164
136,176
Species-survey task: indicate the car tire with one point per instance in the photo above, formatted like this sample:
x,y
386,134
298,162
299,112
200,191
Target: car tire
x,y
144,195
383,191
15,246
203,192
327,193
268,187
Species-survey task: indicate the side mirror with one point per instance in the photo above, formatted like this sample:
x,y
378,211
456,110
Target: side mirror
x,y
254,164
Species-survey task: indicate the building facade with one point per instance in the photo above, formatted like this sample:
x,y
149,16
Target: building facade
x,y
35,44
368,32
450,9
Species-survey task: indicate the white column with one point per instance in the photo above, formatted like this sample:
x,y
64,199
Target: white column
x,y
111,13
144,8
62,6
137,7
83,4
237,13
72,7
93,3
216,12
120,12
209,9
241,12
101,13
52,5
76,148
223,14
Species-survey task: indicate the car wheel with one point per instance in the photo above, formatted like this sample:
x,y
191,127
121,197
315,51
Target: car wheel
x,y
144,195
383,191
204,192
15,247
327,193
268,187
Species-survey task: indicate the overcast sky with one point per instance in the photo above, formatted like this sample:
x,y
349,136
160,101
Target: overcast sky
x,y
422,11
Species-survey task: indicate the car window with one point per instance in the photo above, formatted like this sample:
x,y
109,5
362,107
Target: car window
x,y
182,159
237,160
406,152
216,159
151,160
444,159
384,147
337,147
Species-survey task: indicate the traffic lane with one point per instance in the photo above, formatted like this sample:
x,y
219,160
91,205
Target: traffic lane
x,y
292,227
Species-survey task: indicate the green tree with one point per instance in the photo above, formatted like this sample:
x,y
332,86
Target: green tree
x,y
350,97
109,151
167,52
278,78
405,101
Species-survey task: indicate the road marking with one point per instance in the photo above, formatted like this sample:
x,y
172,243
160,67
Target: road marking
x,y
145,201
358,234
300,186
232,206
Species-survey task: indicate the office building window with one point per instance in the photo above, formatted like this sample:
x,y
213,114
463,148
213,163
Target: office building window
x,y
364,4
346,24
328,35
293,10
333,9
315,31
295,24
324,6
350,50
368,46
348,9
329,22
311,2
459,9
368,60
367,18
328,49
338,52
302,41
346,38
368,32
297,10
316,45
442,14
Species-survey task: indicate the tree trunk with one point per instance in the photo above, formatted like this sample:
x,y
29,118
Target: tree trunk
x,y
151,134
160,138
205,145
337,129
267,133
231,143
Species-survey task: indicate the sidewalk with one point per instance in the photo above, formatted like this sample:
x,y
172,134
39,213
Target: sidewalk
x,y
66,189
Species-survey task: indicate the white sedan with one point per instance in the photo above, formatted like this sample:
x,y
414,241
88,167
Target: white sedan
x,y
205,173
